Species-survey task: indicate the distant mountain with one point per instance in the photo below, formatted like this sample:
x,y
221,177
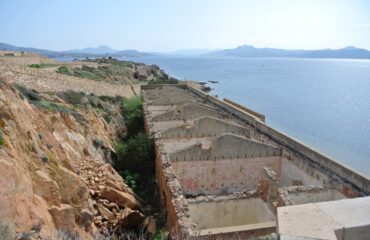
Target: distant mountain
x,y
79,53
102,49
250,51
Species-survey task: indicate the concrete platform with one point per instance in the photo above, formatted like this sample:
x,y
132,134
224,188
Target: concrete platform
x,y
342,219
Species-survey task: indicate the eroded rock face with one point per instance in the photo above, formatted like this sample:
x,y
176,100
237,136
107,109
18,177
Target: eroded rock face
x,y
53,176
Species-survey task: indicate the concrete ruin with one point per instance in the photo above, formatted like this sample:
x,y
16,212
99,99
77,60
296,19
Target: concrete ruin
x,y
221,170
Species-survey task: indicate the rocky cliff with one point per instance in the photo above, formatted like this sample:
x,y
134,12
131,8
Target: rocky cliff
x,y
55,171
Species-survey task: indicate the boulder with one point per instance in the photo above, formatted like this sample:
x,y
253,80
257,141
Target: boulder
x,y
105,212
130,217
122,199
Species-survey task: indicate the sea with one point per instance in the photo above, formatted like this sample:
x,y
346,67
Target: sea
x,y
324,103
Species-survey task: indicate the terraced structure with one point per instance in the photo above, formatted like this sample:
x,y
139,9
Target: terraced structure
x,y
223,172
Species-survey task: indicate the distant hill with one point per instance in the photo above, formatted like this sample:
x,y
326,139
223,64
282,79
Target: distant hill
x,y
250,51
78,53
8,47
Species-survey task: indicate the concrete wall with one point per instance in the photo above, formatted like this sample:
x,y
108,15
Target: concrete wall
x,y
231,212
214,177
227,146
188,111
339,171
293,175
312,196
205,127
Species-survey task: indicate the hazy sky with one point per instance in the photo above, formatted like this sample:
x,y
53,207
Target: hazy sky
x,y
167,25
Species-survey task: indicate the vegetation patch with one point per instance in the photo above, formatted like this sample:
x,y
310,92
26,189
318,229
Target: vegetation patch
x,y
72,97
51,106
137,149
87,74
33,97
132,110
29,94
135,152
41,65
130,178
64,70
1,138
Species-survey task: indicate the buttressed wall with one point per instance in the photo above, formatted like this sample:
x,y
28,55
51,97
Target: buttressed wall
x,y
205,127
226,146
207,148
187,111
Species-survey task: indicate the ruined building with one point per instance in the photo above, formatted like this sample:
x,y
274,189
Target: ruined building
x,y
222,171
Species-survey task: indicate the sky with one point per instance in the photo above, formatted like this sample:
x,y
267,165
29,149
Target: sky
x,y
168,25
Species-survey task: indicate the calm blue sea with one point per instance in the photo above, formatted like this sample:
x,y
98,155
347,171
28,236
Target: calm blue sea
x,y
325,103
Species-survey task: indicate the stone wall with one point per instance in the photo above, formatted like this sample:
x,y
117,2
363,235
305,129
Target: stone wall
x,y
171,195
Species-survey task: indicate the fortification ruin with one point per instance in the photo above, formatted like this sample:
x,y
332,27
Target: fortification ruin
x,y
221,170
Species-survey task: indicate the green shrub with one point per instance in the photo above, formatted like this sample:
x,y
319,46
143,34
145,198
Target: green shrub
x,y
29,94
133,114
1,138
135,151
131,179
50,106
135,163
64,70
161,234
86,74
